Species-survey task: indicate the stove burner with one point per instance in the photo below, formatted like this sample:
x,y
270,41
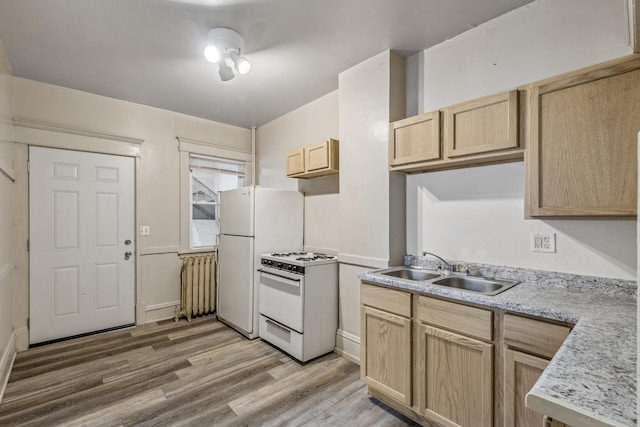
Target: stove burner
x,y
315,257
287,254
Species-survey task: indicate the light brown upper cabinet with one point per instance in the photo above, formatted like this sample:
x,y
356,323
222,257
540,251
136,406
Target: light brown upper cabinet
x,y
295,161
582,135
313,160
478,132
416,139
482,126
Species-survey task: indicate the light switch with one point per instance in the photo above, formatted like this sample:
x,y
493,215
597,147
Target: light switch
x,y
145,230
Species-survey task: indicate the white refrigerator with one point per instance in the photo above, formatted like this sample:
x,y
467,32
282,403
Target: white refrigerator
x,y
253,220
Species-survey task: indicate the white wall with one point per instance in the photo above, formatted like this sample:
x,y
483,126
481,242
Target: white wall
x,y
310,123
476,214
7,240
158,195
371,200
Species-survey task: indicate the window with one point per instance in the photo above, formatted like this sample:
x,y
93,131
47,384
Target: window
x,y
209,176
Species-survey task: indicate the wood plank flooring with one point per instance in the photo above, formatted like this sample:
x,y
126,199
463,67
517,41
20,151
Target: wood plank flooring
x,y
181,374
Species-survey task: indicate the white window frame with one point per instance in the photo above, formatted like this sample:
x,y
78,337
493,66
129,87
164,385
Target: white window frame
x,y
188,147
215,204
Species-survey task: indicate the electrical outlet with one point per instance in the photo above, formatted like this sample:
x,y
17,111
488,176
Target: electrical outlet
x,y
145,230
543,242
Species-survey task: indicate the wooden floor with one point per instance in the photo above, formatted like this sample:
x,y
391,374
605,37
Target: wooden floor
x,y
200,373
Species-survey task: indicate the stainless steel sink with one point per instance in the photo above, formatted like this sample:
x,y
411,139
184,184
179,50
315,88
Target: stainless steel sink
x,y
411,274
475,284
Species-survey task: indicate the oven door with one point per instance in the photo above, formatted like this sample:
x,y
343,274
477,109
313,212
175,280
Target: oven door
x,y
281,296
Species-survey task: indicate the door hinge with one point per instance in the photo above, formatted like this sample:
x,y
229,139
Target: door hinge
x,y
28,323
28,245
28,166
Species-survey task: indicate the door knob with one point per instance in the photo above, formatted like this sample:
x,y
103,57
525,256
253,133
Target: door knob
x,y
127,255
127,242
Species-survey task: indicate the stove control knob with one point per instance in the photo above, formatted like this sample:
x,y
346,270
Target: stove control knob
x,y
279,265
289,267
294,268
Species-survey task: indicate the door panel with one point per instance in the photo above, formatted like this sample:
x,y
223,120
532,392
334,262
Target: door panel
x,y
235,289
455,378
65,291
65,220
81,211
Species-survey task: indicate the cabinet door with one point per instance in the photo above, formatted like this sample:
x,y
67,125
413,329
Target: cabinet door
x,y
317,156
385,359
416,139
521,371
321,158
295,161
582,146
482,126
455,375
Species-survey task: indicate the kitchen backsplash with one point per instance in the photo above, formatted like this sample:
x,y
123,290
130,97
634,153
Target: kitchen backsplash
x,y
604,285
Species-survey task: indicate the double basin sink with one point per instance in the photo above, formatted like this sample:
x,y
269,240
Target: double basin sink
x,y
465,283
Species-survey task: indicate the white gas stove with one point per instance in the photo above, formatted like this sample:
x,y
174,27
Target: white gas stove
x,y
296,261
299,302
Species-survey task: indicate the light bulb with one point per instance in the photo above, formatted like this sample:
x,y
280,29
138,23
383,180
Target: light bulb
x,y
242,64
212,54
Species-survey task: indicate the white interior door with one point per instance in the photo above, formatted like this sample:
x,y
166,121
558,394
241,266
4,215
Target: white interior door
x,y
81,231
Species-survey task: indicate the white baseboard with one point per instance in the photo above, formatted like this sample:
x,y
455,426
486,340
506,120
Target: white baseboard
x,y
6,363
162,311
22,338
154,307
348,346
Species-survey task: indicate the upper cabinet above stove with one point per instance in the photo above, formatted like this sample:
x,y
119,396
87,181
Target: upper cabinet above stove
x,y
314,160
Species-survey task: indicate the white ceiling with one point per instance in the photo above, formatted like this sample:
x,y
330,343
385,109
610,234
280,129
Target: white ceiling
x,y
151,51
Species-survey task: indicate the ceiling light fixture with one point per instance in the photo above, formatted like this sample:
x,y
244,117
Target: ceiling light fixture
x,y
225,50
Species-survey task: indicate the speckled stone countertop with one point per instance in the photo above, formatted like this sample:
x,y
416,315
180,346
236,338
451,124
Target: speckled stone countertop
x,y
592,378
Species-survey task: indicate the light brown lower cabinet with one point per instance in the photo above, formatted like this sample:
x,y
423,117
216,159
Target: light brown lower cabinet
x,y
521,371
529,346
455,378
433,359
385,366
385,341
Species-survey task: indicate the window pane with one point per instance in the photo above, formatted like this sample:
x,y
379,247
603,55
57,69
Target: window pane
x,y
209,176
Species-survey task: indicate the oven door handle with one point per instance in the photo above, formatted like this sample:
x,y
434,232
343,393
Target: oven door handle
x,y
278,275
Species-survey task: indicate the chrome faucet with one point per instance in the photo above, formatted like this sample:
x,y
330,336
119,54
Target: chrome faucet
x,y
449,266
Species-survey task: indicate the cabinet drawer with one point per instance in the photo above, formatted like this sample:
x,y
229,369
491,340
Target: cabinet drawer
x,y
534,336
471,321
386,299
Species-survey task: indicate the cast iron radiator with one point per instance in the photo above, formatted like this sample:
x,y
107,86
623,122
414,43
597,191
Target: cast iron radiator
x,y
198,284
